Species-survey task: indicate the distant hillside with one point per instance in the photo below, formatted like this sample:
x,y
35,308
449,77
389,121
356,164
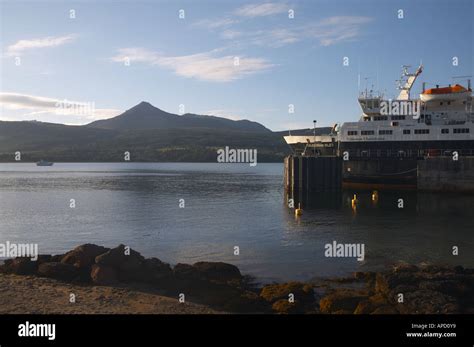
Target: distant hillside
x,y
146,116
147,132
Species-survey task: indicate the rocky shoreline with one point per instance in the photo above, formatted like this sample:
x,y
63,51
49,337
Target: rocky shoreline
x,y
402,289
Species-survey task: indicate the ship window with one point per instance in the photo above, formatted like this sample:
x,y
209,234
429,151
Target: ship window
x,y
461,131
385,132
444,131
377,118
422,131
449,102
367,132
406,132
398,117
441,103
352,133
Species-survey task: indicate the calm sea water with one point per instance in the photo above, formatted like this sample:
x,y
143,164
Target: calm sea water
x,y
226,205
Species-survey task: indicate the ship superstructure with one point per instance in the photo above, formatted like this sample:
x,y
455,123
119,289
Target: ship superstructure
x,y
392,136
437,123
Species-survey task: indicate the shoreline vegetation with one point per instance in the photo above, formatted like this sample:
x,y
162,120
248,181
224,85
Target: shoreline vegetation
x,y
121,280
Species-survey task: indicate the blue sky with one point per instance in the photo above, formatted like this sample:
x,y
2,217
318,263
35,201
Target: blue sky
x,y
47,57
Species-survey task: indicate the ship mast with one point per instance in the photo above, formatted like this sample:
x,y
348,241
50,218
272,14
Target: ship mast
x,y
408,79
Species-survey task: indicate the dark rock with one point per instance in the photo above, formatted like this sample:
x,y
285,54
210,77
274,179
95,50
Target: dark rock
x,y
364,276
302,292
371,304
392,295
404,267
385,282
283,306
186,272
214,294
430,268
83,256
428,302
56,258
342,299
364,307
103,275
245,302
6,266
448,287
218,271
127,264
20,266
60,271
132,269
150,270
44,258
116,257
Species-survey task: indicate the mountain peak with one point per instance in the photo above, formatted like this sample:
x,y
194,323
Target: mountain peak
x,y
146,116
144,105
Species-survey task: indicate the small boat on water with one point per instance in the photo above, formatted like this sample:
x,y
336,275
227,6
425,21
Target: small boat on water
x,y
44,163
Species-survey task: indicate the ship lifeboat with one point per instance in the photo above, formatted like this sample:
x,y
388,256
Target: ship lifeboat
x,y
450,93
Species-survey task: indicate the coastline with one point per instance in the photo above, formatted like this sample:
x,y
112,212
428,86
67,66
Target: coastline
x,y
121,280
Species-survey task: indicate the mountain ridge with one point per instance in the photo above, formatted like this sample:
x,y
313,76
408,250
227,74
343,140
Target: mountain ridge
x,y
147,132
146,116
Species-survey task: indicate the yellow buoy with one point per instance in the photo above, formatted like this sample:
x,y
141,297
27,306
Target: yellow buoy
x,y
354,201
298,211
375,195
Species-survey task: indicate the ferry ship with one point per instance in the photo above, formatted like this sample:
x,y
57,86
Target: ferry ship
x,y
392,135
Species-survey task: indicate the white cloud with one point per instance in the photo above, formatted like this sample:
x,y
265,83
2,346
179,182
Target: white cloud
x,y
275,37
21,46
327,32
337,29
261,10
37,105
208,66
230,34
217,23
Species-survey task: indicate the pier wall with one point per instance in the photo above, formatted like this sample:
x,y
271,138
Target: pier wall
x,y
445,174
306,175
313,174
